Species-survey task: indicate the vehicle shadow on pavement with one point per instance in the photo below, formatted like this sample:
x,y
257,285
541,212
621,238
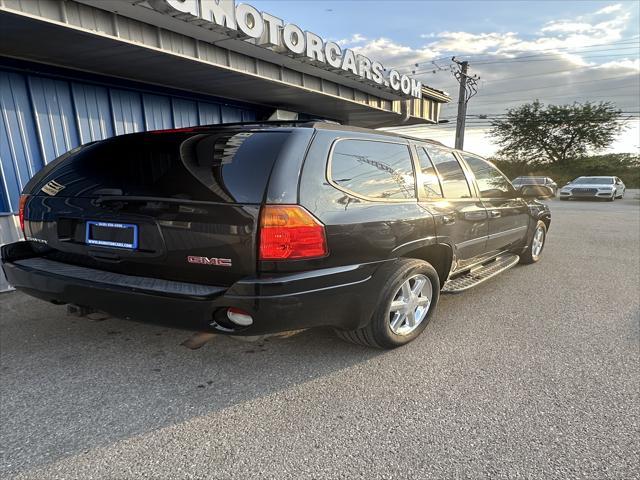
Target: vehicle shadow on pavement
x,y
72,384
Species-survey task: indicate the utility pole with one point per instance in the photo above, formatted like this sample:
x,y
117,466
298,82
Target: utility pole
x,y
462,104
468,88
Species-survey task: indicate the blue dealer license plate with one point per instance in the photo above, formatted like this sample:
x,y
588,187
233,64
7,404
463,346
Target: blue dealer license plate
x,y
110,234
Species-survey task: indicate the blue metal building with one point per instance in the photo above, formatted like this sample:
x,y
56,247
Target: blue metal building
x,y
46,111
74,71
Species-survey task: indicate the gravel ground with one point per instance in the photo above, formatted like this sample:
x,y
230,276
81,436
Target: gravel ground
x,y
534,374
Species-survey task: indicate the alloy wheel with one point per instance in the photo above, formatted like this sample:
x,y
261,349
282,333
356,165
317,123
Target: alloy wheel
x,y
538,242
410,304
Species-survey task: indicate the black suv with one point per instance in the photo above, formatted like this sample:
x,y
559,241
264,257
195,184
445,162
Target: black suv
x,y
258,228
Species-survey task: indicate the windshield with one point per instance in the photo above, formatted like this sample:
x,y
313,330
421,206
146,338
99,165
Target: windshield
x,y
593,181
531,180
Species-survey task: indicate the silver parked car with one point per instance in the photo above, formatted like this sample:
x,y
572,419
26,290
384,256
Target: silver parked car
x,y
520,182
608,188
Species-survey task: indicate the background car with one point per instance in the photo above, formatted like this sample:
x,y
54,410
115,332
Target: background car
x,y
520,182
607,187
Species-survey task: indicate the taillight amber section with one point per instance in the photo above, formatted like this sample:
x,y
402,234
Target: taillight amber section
x,y
289,232
21,209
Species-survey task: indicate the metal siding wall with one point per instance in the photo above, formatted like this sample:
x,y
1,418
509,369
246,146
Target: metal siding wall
x,y
157,112
93,112
127,111
20,156
209,113
230,115
248,116
185,113
54,115
41,118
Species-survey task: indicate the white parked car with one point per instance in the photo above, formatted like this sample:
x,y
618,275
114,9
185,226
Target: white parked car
x,y
609,188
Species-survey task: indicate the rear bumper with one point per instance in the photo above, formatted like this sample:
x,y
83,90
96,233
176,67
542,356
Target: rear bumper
x,y
343,297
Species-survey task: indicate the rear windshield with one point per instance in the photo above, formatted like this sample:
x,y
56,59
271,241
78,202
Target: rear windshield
x,y
224,167
533,180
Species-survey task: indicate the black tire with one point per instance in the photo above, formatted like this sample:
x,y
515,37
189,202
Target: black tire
x,y
564,199
611,199
527,257
377,333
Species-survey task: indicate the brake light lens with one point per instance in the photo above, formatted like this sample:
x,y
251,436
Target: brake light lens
x,y
289,232
21,208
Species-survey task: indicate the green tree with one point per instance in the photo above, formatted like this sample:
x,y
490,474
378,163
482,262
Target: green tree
x,y
555,134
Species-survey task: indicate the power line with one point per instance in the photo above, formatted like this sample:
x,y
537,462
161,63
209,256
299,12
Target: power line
x,y
623,117
504,79
508,61
565,85
501,116
483,115
559,51
586,96
633,40
519,59
489,123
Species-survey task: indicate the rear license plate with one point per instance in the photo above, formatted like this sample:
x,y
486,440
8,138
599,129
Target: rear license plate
x,y
109,234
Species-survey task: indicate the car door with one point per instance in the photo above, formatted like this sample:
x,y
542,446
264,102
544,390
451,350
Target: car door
x,y
619,187
445,191
508,213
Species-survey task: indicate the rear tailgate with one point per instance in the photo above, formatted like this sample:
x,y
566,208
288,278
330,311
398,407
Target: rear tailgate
x,y
180,206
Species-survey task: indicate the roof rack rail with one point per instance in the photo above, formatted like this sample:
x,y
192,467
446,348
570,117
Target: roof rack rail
x,y
271,123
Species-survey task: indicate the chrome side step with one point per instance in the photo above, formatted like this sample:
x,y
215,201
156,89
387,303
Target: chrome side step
x,y
480,274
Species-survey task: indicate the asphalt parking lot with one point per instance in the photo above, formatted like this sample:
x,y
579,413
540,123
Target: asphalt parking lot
x,y
534,374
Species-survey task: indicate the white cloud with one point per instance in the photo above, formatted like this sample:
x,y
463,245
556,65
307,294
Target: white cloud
x,y
623,65
567,27
392,54
554,67
609,9
355,39
463,42
558,35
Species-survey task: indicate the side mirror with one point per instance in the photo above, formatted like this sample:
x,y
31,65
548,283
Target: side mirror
x,y
536,191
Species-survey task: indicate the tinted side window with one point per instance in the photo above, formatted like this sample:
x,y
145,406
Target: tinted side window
x,y
491,182
454,182
372,169
429,176
235,165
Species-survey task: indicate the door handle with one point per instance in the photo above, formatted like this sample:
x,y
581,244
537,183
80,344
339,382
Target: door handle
x,y
495,214
448,219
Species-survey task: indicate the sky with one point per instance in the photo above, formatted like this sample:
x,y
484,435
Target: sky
x,y
557,51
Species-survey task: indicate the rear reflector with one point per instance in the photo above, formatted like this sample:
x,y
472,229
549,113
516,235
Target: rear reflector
x,y
21,210
289,232
239,317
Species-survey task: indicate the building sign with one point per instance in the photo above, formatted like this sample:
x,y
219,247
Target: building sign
x,y
245,21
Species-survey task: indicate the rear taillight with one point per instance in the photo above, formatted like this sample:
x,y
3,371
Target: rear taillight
x,y
289,232
21,210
